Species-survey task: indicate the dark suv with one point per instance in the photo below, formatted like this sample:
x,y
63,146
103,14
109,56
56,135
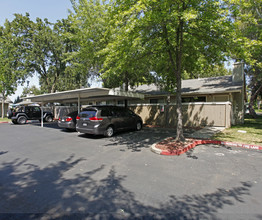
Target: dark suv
x,y
24,113
106,120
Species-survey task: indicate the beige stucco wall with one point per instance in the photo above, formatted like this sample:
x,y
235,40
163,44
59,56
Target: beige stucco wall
x,y
238,108
236,98
6,108
194,114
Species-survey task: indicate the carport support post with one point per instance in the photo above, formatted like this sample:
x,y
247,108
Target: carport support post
x,y
42,116
78,103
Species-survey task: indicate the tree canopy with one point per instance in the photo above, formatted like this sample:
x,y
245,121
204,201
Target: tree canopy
x,y
174,38
130,42
13,64
248,43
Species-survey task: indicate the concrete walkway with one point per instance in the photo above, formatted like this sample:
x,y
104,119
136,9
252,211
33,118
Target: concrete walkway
x,y
206,132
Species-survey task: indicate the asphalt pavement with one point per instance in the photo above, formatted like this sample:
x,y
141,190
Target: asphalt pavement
x,y
48,173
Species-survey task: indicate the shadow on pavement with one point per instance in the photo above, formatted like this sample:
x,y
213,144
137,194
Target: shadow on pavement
x,y
136,140
53,124
49,193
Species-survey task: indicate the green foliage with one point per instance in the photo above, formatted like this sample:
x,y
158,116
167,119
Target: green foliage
x,y
167,38
248,21
17,100
147,39
248,40
13,65
45,48
33,90
49,56
90,20
252,135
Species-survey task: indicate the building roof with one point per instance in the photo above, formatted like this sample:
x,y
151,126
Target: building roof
x,y
85,94
8,100
211,85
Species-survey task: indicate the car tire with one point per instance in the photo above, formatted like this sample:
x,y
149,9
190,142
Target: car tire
x,y
21,120
48,118
109,131
139,125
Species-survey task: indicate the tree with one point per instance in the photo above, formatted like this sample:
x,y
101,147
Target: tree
x,y
48,56
31,90
176,38
248,17
13,66
47,49
17,100
90,22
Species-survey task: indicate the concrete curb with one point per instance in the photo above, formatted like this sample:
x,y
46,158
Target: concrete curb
x,y
199,142
4,122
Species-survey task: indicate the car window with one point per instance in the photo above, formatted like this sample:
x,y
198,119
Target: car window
x,y
27,110
130,113
20,109
36,109
73,114
106,112
117,112
88,114
122,112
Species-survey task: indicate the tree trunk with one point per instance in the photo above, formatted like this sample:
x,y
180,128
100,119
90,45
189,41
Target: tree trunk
x,y
3,106
179,52
252,100
177,70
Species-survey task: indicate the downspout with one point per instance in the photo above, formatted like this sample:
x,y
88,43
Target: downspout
x,y
225,115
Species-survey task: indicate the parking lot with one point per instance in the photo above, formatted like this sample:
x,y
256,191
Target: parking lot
x,y
48,173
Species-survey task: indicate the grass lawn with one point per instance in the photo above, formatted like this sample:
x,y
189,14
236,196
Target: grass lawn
x,y
4,120
252,127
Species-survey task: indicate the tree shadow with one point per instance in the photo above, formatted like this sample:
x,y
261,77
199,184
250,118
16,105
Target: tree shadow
x,y
137,140
190,154
31,192
3,152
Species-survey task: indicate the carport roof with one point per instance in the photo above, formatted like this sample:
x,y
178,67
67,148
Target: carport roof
x,y
85,94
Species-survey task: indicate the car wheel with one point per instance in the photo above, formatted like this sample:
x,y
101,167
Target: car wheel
x,y
138,125
109,131
21,120
48,118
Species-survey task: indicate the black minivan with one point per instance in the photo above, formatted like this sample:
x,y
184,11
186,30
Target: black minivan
x,y
106,120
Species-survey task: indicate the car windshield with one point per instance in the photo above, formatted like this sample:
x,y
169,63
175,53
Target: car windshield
x,y
88,114
73,114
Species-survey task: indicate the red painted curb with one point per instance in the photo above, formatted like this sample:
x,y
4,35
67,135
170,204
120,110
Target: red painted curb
x,y
199,142
4,122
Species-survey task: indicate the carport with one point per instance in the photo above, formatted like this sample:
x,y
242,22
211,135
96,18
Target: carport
x,y
83,95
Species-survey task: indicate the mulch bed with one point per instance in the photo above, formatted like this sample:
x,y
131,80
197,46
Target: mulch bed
x,y
171,145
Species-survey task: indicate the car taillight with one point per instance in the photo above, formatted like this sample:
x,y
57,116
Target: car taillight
x,y
95,119
59,119
69,119
77,117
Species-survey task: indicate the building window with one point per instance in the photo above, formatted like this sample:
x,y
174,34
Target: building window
x,y
194,99
153,101
121,102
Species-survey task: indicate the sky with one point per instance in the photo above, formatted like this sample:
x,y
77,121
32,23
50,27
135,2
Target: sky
x,y
53,10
